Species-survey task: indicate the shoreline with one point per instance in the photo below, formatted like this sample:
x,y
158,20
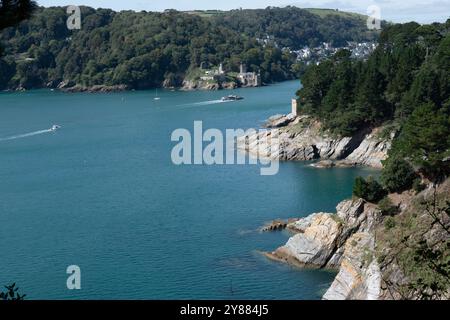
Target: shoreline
x,y
302,138
340,241
125,88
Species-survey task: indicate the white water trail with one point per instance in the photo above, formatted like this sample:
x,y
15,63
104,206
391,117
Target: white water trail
x,y
203,103
25,135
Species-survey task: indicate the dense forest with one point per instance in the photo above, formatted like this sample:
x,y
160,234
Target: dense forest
x,y
149,49
294,28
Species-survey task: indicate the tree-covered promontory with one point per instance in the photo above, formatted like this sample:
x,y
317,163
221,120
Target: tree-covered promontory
x,y
148,49
404,85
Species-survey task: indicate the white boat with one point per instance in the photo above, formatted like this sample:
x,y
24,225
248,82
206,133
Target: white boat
x,y
55,127
232,98
156,95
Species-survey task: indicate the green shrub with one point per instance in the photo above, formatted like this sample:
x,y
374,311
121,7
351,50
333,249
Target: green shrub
x,y
369,190
389,223
397,175
387,207
418,186
11,293
360,187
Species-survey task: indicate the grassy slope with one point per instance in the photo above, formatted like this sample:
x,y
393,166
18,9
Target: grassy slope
x,y
326,12
320,12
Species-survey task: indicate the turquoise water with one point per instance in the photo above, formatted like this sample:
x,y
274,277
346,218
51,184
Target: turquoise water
x,y
103,194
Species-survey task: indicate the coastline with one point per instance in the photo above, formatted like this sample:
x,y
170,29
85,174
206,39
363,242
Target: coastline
x,y
340,241
70,87
355,240
302,138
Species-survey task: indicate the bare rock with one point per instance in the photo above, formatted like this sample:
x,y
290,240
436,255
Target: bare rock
x,y
324,164
301,138
313,246
371,151
275,225
279,121
359,275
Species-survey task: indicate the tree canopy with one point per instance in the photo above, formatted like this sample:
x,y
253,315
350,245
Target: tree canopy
x,y
147,49
405,82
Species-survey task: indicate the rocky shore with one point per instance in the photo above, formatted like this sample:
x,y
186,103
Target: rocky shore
x,y
186,85
95,89
341,240
302,138
190,85
357,241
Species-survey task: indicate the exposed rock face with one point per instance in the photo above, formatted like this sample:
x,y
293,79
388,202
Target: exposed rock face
x,y
96,88
189,85
359,275
343,239
274,226
278,121
301,138
315,245
65,84
371,151
368,253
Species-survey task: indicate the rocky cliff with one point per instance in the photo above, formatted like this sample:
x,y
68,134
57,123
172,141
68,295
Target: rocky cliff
x,y
371,249
341,240
302,138
189,85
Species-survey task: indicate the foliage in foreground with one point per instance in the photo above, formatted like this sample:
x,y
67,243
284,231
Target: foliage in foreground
x,y
11,293
418,241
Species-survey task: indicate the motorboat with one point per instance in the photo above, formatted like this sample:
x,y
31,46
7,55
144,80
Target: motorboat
x,y
156,98
55,127
232,98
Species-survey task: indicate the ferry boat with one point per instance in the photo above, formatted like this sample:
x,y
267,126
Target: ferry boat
x,y
232,98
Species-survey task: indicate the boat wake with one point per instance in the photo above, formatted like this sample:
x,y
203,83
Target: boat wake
x,y
203,103
26,135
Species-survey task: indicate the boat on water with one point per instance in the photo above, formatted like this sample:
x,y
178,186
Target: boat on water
x,y
156,98
232,98
55,127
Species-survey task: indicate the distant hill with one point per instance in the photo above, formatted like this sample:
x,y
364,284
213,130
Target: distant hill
x,y
317,11
150,49
326,12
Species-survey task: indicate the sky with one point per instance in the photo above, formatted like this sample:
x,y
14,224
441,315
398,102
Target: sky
x,y
422,11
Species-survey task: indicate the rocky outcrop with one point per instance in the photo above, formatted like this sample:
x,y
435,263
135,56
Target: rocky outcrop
x,y
341,240
315,245
359,274
374,252
65,84
96,88
274,226
370,152
302,138
279,120
189,85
